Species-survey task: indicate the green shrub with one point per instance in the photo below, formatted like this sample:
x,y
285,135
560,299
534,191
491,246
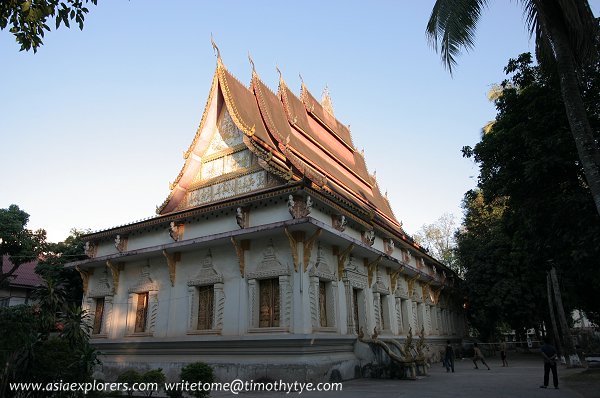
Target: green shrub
x,y
154,376
130,377
198,372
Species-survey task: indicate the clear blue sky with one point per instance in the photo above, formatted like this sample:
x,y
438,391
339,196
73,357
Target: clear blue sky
x,y
93,126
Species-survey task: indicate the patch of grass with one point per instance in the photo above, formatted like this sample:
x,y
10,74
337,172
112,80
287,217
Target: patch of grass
x,y
586,375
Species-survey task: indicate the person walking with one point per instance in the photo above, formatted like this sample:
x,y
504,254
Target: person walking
x,y
503,354
478,356
449,357
550,358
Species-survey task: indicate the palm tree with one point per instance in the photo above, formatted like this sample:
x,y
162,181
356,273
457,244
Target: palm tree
x,y
565,36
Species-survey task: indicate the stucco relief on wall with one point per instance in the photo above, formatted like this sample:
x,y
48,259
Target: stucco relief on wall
x,y
229,188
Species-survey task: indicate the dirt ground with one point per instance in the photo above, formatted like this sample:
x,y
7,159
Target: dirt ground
x,y
586,383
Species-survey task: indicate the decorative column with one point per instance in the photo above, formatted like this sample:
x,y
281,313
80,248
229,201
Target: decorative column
x,y
193,306
219,305
285,291
399,323
107,319
314,302
253,302
377,310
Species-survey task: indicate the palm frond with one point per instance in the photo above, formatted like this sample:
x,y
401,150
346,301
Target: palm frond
x,y
573,18
581,27
452,26
536,19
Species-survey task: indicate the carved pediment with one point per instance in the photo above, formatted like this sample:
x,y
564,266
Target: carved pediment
x,y
417,292
270,266
351,265
206,275
355,274
322,269
380,286
103,286
428,294
401,290
145,282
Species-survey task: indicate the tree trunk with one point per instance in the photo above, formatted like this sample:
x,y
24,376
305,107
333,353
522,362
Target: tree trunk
x,y
587,149
552,316
567,339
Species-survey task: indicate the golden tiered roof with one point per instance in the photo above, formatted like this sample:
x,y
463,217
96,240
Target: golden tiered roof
x,y
296,136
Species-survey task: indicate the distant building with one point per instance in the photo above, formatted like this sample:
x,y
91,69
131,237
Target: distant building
x,y
273,250
20,285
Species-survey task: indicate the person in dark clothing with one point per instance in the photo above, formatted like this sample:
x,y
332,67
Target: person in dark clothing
x,y
449,357
503,354
550,357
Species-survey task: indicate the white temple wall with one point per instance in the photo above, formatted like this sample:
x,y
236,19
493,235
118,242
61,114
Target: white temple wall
x,y
211,226
318,214
270,213
147,239
175,307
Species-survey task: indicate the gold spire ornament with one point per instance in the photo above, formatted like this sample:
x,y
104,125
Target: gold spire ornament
x,y
215,48
251,62
326,101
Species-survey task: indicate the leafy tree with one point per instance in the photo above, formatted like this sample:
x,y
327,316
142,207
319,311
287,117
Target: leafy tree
x,y
497,291
566,35
52,265
20,244
18,334
28,19
49,341
533,210
438,238
45,343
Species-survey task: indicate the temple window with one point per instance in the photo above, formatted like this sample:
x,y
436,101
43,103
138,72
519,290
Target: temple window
x,y
206,298
99,304
322,293
141,312
143,303
98,316
323,304
355,309
269,303
269,294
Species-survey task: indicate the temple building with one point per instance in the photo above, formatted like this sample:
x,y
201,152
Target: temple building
x,y
272,253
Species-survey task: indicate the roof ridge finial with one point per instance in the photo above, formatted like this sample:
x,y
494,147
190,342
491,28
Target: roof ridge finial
x,y
301,79
215,48
251,63
326,100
